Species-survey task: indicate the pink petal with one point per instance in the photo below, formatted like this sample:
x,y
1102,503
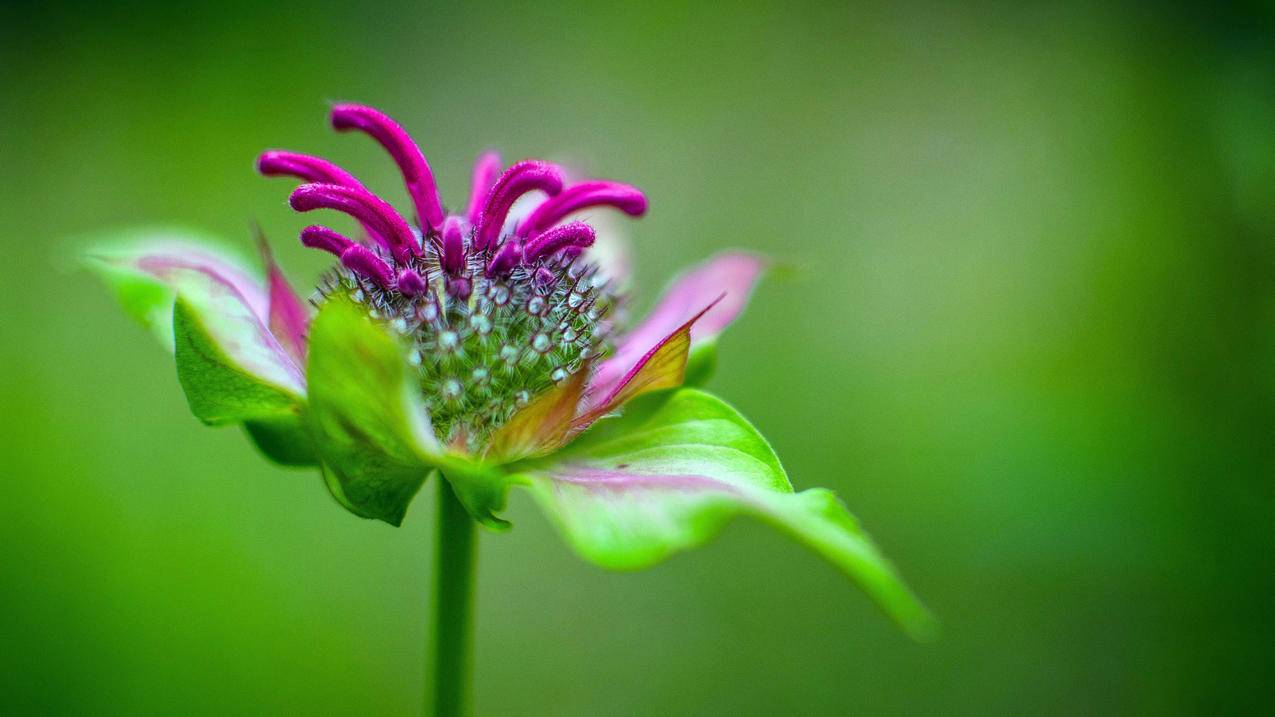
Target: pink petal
x,y
663,366
730,276
542,425
233,303
288,316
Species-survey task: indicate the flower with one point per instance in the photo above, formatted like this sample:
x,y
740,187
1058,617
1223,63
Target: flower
x,y
487,347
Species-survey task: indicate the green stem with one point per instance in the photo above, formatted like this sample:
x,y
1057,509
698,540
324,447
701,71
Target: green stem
x,y
451,650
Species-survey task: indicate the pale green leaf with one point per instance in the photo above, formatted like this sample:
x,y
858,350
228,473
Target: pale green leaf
x,y
667,475
371,429
154,268
218,388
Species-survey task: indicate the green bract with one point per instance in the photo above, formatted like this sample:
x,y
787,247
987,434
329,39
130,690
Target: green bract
x,y
655,468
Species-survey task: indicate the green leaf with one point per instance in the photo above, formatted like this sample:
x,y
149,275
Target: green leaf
x,y
284,440
154,268
371,429
218,389
669,473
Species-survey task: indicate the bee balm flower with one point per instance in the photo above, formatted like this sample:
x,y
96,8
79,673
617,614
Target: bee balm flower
x,y
485,347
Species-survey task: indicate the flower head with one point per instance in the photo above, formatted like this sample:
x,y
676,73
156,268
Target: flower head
x,y
497,307
484,345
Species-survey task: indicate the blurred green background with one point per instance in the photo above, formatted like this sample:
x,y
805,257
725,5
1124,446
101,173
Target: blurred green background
x,y
1031,343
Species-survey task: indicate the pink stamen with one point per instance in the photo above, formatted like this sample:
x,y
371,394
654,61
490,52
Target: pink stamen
x,y
320,237
281,163
507,257
573,234
486,169
364,262
364,206
519,179
411,162
627,199
453,253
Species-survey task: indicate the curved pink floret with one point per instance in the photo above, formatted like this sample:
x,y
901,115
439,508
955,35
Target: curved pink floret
x,y
364,262
574,234
308,168
580,196
507,257
411,161
525,176
281,163
321,237
364,206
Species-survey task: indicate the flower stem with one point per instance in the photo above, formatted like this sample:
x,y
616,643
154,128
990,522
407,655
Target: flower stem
x,y
451,649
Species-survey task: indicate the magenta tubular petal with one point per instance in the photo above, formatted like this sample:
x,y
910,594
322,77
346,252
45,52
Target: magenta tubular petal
x,y
364,206
411,162
507,257
281,163
364,262
410,283
627,199
523,177
453,253
320,237
574,234
315,170
486,169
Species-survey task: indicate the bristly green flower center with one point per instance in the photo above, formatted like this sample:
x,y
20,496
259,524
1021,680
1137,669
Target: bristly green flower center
x,y
498,307
484,356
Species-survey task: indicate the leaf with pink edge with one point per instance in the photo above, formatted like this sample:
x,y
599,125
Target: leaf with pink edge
x,y
669,473
152,269
218,387
542,425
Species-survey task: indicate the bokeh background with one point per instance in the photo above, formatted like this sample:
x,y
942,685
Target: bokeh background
x,y
1030,340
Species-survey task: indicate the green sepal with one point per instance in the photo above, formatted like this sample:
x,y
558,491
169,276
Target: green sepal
x,y
218,391
283,439
668,473
482,488
371,429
